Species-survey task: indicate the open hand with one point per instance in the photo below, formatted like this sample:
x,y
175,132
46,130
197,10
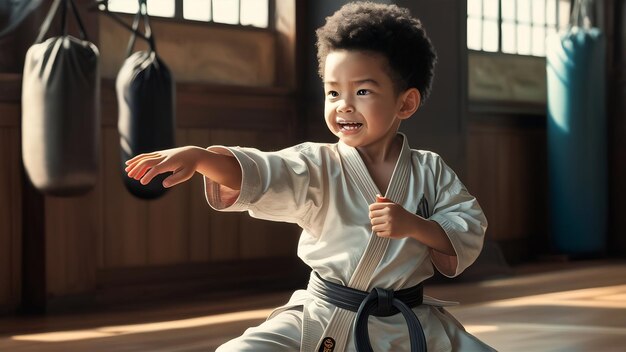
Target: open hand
x,y
181,161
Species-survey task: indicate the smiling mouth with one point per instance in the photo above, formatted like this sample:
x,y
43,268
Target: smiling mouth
x,y
349,126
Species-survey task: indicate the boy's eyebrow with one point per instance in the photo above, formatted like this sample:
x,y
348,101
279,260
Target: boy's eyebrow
x,y
360,81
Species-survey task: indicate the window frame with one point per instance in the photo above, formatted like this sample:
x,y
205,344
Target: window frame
x,y
178,17
559,24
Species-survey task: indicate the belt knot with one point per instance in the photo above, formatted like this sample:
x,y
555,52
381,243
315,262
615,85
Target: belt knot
x,y
384,302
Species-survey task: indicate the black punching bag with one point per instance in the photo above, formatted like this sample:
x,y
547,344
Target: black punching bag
x,y
145,94
60,110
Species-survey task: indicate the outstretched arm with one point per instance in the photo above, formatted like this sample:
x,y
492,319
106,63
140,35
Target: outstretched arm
x,y
184,162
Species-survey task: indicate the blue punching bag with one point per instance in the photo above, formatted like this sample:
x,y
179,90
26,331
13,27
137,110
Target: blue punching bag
x,y
577,151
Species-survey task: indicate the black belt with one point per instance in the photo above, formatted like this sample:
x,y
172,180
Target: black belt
x,y
379,302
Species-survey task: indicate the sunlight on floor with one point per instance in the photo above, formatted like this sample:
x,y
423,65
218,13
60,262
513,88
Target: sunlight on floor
x,y
110,331
597,297
579,309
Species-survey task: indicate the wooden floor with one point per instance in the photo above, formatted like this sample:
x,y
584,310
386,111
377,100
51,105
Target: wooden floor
x,y
570,307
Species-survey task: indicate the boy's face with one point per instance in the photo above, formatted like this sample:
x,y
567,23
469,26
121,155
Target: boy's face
x,y
361,106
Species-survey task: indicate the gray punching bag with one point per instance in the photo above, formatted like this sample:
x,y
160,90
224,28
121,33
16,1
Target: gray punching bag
x,y
145,94
61,110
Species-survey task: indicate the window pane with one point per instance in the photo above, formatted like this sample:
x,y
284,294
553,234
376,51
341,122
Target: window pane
x,y
539,40
161,8
564,12
523,11
508,10
474,8
124,6
539,12
490,35
254,13
523,39
198,10
491,8
508,38
226,11
551,12
474,33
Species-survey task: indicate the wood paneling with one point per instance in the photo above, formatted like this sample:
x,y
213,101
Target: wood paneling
x,y
10,218
10,190
199,213
226,228
168,223
507,173
180,228
615,18
76,239
72,228
125,235
200,53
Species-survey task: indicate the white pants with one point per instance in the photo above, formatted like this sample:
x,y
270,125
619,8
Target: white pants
x,y
279,334
282,333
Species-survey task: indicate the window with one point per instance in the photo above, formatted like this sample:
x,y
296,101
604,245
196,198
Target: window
x,y
514,26
253,13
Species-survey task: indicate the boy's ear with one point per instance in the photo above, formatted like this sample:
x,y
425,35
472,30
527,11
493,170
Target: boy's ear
x,y
411,100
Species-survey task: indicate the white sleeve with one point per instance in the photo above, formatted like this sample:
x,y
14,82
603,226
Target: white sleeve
x,y
460,216
279,186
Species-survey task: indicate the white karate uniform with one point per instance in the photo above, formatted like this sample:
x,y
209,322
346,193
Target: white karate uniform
x,y
326,189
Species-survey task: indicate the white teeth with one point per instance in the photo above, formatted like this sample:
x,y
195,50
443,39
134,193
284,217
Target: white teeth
x,y
348,125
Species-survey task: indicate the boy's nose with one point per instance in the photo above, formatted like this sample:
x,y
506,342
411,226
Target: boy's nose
x,y
344,106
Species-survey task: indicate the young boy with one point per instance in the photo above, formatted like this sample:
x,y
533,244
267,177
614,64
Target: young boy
x,y
368,253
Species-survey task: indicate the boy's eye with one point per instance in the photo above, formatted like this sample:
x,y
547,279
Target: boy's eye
x,y
362,92
332,94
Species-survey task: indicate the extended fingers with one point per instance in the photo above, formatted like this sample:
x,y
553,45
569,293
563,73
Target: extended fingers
x,y
139,167
152,172
179,176
137,161
140,157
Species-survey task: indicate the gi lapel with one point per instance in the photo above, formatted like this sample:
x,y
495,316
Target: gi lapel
x,y
341,322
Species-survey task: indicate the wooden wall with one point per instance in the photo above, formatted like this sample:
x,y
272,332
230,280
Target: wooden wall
x,y
107,246
507,172
180,229
196,53
615,26
106,242
10,194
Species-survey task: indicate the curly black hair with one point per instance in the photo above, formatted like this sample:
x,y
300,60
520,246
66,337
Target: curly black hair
x,y
386,29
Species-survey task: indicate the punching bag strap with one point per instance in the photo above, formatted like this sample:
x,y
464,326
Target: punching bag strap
x,y
142,12
133,37
50,17
103,6
48,21
81,27
581,14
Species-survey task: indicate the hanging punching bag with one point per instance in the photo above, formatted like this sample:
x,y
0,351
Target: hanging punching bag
x,y
577,152
60,110
145,94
